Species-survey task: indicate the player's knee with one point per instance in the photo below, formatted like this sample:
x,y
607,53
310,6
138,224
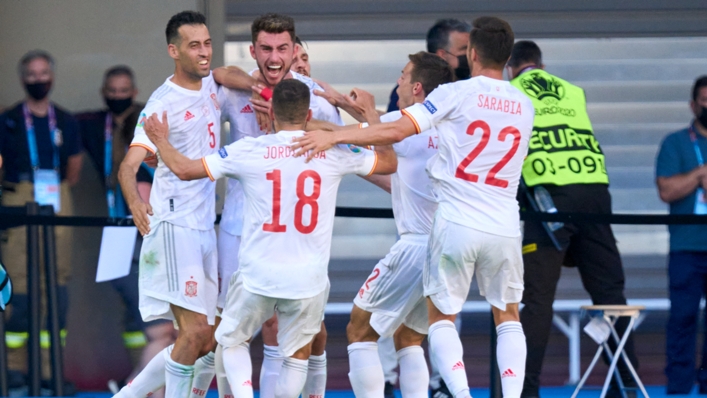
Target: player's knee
x,y
360,332
510,314
406,337
271,324
198,337
319,343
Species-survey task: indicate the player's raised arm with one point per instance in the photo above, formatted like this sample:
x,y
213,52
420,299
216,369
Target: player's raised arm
x,y
183,167
234,77
378,135
128,184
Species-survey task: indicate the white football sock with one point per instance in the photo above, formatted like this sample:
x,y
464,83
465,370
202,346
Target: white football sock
x,y
270,370
239,369
224,389
204,373
386,352
150,379
178,379
293,375
365,370
414,376
315,386
447,353
510,354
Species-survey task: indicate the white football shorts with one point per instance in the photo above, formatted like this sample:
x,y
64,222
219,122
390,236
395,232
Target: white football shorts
x,y
457,252
393,293
228,246
178,266
298,320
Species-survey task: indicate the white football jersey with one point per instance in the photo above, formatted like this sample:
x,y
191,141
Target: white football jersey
x,y
194,130
414,204
289,210
238,110
483,126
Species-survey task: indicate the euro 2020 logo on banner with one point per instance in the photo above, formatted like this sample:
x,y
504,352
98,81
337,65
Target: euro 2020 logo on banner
x,y
545,89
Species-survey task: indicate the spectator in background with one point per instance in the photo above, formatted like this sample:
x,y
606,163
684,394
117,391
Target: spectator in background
x,y
449,39
106,134
41,156
570,172
681,176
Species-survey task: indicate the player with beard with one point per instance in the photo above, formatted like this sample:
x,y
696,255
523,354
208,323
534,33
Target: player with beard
x,y
178,259
273,48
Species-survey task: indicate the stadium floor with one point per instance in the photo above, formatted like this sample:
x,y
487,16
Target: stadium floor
x,y
547,392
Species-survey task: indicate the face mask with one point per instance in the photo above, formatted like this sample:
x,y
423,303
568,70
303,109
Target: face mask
x,y
38,91
118,106
462,71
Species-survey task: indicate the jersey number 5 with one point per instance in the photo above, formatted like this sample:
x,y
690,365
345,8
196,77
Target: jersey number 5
x,y
486,134
212,136
303,200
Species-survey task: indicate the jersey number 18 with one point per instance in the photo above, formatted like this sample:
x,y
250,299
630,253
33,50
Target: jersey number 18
x,y
303,200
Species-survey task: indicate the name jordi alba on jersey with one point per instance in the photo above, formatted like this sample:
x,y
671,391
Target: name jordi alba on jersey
x,y
289,210
483,126
194,130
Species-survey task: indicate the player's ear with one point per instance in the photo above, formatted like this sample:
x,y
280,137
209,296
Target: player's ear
x,y
417,89
252,51
309,114
173,51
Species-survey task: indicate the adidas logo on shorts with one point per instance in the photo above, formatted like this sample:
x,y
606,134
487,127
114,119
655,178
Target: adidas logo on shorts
x,y
457,366
508,373
247,109
188,116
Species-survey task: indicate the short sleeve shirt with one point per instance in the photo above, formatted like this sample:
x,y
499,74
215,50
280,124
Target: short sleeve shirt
x,y
239,112
677,156
483,126
289,210
194,130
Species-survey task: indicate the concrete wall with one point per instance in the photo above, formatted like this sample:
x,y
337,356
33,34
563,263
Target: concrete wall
x,y
86,37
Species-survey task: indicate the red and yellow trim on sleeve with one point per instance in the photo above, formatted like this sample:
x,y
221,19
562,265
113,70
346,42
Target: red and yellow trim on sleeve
x,y
360,125
143,146
208,172
375,163
417,126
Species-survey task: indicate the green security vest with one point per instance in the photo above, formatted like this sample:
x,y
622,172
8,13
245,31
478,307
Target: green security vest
x,y
562,149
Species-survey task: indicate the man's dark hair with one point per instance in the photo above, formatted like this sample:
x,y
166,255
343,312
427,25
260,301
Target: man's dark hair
x,y
430,71
290,101
31,56
492,38
298,41
119,70
699,83
525,52
438,35
182,18
273,23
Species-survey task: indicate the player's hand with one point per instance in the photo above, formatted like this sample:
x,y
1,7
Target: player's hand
x,y
155,129
362,102
262,109
330,94
140,210
312,143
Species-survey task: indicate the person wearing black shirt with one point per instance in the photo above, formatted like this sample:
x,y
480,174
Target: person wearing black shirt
x,y
40,155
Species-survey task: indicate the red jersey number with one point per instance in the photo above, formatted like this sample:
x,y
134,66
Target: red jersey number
x,y
304,199
485,136
212,136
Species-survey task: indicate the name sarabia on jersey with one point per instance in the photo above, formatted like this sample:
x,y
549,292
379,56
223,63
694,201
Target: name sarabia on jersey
x,y
284,151
499,104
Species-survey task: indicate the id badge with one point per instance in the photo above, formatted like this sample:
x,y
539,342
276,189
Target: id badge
x,y
46,188
700,202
